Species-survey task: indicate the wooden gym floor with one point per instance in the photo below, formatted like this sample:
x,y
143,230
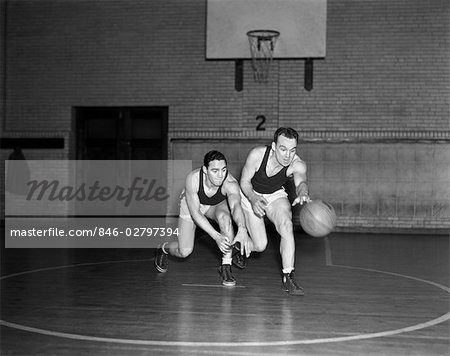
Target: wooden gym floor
x,y
366,294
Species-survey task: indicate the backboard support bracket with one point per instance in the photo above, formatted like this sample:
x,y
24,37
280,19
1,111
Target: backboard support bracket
x,y
308,84
238,74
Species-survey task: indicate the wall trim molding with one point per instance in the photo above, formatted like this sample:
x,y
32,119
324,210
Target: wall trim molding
x,y
432,136
33,140
388,224
33,134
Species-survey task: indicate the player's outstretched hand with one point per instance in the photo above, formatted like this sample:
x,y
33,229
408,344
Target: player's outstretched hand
x,y
244,240
301,200
302,194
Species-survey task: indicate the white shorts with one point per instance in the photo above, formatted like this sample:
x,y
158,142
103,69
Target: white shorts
x,y
184,210
280,193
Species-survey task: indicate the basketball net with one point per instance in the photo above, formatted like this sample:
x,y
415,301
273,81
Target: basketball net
x,y
262,46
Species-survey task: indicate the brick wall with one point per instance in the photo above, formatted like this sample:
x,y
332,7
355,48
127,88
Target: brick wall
x,y
385,76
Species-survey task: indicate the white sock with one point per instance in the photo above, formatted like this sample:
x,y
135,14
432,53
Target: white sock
x,y
226,260
288,270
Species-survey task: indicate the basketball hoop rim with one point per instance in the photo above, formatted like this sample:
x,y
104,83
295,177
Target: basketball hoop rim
x,y
264,35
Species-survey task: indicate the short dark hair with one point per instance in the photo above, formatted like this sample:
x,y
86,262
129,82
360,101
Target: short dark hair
x,y
213,156
287,132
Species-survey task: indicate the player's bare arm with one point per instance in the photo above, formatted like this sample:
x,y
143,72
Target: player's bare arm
x,y
193,203
298,170
252,164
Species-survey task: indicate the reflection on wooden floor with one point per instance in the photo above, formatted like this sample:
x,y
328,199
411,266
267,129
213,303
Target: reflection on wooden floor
x,y
366,294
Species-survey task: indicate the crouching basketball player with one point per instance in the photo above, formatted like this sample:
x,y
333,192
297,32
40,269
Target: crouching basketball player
x,y
210,192
266,169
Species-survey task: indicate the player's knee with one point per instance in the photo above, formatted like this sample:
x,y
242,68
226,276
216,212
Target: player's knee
x,y
184,252
259,246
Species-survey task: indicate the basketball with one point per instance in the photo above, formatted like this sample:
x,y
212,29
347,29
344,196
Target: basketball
x,y
317,218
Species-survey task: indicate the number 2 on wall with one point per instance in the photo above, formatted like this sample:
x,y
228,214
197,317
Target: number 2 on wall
x,y
262,120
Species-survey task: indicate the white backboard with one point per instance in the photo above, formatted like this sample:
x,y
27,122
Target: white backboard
x,y
302,24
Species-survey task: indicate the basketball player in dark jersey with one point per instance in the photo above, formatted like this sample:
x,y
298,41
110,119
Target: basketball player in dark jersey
x,y
266,169
208,192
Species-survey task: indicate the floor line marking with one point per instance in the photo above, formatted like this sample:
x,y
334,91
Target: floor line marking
x,y
447,289
328,256
441,319
210,285
71,266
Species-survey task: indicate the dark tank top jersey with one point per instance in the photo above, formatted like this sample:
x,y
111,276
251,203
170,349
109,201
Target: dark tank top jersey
x,y
267,185
215,199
